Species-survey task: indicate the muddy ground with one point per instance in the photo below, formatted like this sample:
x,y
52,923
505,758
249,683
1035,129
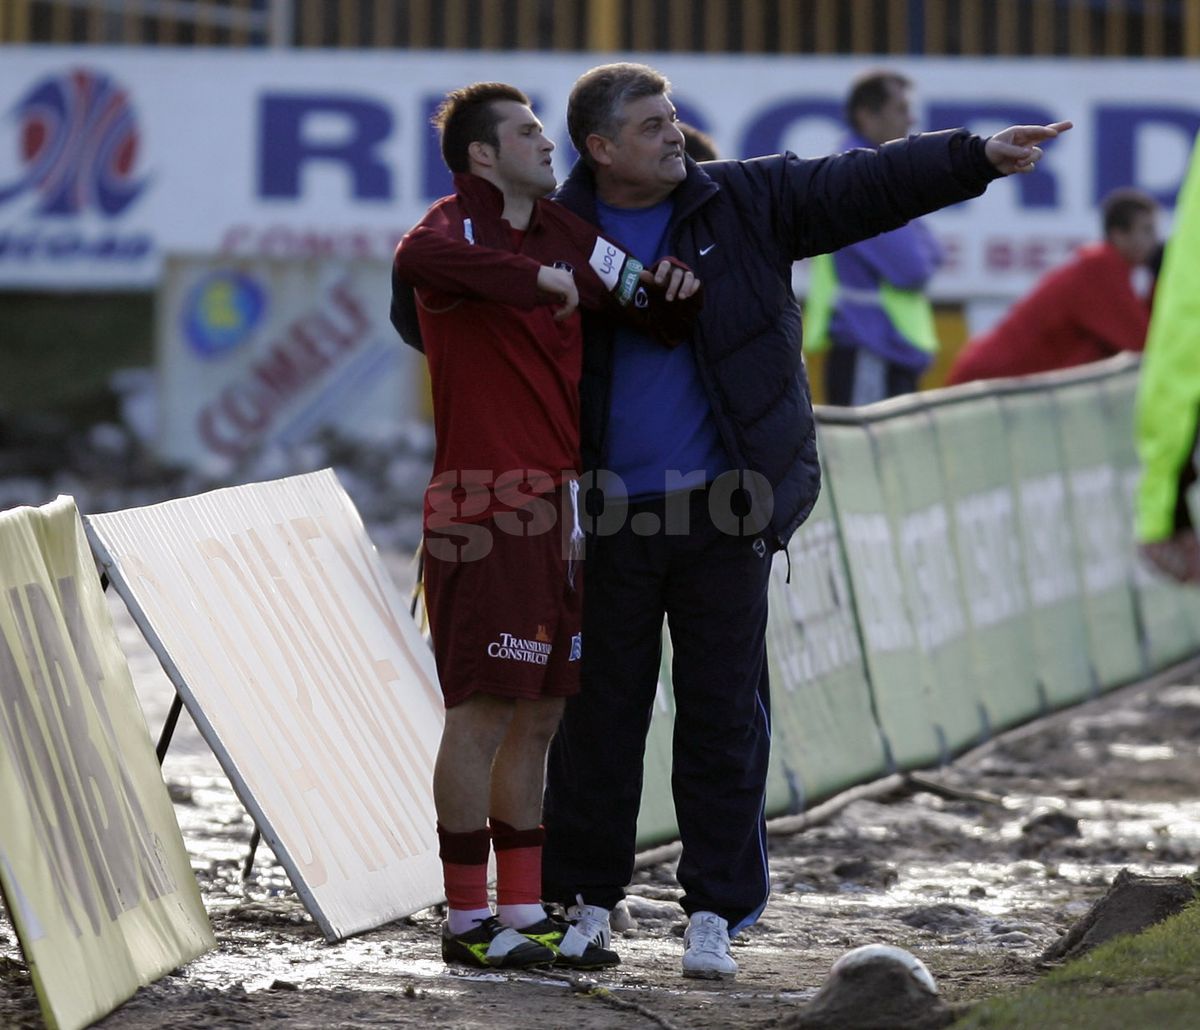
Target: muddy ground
x,y
977,884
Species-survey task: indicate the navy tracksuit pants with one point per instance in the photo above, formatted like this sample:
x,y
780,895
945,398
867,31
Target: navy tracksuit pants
x,y
712,587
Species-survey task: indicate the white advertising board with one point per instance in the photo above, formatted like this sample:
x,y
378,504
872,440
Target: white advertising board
x,y
296,657
111,157
255,351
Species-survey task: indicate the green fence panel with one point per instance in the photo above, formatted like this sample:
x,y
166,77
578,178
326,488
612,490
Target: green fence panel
x,y
1101,534
1170,634
913,485
979,488
1060,635
900,681
824,733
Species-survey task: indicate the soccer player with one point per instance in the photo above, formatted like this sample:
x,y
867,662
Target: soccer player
x,y
498,272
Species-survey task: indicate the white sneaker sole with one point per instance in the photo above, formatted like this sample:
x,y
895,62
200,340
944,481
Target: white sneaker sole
x,y
709,974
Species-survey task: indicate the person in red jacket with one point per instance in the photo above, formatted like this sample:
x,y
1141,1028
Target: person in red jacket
x,y
1088,309
498,272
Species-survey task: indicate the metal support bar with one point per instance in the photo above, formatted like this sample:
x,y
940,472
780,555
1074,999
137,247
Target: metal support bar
x,y
255,837
168,730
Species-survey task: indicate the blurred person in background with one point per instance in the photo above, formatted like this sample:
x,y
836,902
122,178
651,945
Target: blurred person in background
x,y
698,144
866,304
705,459
1091,308
498,272
1168,399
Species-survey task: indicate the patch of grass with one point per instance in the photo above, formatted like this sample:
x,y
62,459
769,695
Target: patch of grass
x,y
1145,980
58,350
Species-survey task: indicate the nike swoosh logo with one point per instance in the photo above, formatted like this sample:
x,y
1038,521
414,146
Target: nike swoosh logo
x,y
705,250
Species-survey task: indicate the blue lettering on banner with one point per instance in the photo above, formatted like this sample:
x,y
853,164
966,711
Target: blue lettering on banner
x,y
435,177
1037,189
1117,131
65,244
764,135
285,149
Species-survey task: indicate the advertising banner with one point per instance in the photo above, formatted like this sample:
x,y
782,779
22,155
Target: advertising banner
x,y
923,521
298,661
979,483
1103,534
823,731
1060,636
111,157
908,719
256,352
98,883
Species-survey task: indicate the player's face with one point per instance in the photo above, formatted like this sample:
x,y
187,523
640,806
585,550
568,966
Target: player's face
x,y
646,157
523,156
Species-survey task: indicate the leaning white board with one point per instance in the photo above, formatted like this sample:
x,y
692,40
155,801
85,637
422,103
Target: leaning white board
x,y
296,656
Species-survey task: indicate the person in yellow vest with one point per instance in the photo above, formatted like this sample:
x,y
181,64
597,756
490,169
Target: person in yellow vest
x,y
1168,399
866,304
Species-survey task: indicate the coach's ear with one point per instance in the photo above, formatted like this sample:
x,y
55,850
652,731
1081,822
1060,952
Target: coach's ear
x,y
599,149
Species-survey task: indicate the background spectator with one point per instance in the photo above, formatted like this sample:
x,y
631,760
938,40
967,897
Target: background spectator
x,y
866,299
697,144
1088,309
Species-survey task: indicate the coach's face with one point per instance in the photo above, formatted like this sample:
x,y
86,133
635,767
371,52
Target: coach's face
x,y
643,163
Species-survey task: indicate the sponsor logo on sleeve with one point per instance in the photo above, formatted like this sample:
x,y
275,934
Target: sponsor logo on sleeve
x,y
606,262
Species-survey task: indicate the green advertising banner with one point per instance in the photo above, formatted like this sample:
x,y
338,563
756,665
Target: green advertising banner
x,y
966,568
98,883
909,717
825,736
1101,531
910,473
1061,643
979,487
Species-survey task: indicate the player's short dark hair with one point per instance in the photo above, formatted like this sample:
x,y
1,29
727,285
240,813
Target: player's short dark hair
x,y
599,96
870,90
467,116
1122,206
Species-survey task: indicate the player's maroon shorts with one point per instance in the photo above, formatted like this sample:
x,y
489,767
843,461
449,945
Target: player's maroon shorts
x,y
506,624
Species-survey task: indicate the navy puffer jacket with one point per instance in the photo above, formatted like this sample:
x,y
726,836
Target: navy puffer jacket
x,y
740,225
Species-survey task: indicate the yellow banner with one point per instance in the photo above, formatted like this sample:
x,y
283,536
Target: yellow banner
x,y
98,883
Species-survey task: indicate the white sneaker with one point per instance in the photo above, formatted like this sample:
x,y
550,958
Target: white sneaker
x,y
589,927
706,948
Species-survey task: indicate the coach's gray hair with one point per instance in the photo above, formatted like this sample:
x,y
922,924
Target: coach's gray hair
x,y
600,95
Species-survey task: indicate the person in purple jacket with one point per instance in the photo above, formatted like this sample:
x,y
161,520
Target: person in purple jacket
x,y
866,302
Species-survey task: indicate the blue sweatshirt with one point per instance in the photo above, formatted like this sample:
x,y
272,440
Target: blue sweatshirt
x,y
661,433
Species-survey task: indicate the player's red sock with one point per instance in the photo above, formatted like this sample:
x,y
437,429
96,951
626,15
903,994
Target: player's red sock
x,y
518,873
464,871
